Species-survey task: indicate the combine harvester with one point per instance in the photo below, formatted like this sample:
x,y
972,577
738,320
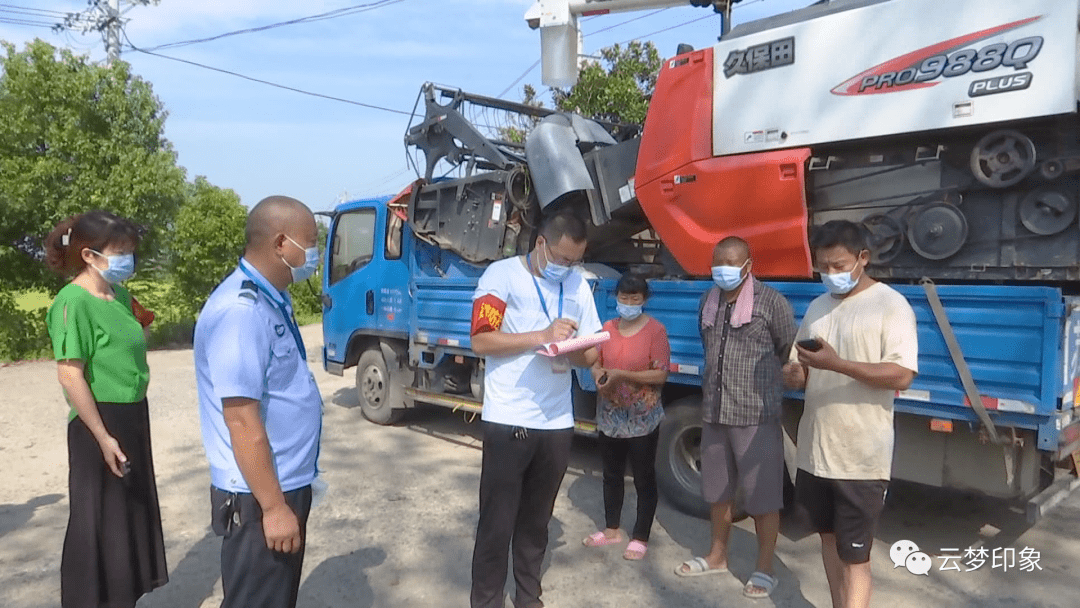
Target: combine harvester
x,y
957,146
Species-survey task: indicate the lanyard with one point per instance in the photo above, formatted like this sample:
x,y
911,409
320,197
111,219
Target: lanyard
x,y
294,328
543,304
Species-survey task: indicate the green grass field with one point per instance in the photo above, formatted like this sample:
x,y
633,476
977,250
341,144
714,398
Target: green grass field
x,y
171,329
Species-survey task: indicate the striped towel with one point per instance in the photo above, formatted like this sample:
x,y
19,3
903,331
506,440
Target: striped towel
x,y
744,305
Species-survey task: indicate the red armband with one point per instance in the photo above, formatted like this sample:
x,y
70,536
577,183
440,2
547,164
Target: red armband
x,y
487,314
144,316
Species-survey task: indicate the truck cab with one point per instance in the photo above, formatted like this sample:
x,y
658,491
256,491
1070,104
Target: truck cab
x,y
365,284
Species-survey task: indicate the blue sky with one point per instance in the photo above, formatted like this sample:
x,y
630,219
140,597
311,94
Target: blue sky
x,y
260,140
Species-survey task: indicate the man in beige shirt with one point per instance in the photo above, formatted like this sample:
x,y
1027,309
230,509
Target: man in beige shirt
x,y
856,347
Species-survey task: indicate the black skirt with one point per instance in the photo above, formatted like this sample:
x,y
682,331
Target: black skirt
x,y
114,551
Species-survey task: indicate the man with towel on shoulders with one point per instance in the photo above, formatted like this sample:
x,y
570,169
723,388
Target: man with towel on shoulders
x,y
747,330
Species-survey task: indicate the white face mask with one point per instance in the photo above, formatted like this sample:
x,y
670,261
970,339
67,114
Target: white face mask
x,y
121,267
840,283
728,278
310,265
628,311
556,273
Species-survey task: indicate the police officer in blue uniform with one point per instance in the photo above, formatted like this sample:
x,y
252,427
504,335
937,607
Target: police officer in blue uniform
x,y
260,409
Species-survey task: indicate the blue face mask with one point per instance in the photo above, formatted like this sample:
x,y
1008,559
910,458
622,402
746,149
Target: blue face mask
x,y
628,311
840,283
311,262
551,271
728,278
120,269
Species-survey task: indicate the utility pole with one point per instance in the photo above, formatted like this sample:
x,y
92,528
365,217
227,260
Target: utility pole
x,y
724,8
560,37
103,16
112,30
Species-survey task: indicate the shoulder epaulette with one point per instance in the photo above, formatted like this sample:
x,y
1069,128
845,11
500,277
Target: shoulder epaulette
x,y
249,290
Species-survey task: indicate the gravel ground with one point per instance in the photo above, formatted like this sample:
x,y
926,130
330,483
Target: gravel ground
x,y
397,525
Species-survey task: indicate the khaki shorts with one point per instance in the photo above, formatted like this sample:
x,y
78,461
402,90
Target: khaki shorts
x,y
748,457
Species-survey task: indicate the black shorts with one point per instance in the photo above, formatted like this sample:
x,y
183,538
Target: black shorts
x,y
848,508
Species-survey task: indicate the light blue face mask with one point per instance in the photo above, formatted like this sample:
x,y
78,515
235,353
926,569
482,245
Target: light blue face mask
x,y
311,262
556,273
120,269
628,311
728,277
840,283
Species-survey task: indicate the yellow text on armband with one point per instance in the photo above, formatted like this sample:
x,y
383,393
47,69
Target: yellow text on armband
x,y
490,314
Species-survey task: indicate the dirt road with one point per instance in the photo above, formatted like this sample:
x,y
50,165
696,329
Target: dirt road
x,y
397,525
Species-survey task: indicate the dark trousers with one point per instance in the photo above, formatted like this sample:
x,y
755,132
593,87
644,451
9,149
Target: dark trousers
x,y
641,451
519,479
251,573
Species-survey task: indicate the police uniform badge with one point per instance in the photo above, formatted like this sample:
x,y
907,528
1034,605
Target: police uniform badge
x,y
248,291
279,330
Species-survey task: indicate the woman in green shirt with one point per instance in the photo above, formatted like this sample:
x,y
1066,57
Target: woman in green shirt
x,y
114,549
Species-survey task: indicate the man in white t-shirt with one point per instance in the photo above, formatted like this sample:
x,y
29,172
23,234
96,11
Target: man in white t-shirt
x,y
865,348
520,304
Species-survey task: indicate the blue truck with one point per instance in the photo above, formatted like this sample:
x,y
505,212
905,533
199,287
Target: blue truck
x,y
994,408
396,312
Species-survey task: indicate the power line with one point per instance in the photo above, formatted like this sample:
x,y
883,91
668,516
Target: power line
x,y
611,27
23,14
346,12
34,10
334,14
669,28
266,82
73,43
378,185
736,7
14,21
519,78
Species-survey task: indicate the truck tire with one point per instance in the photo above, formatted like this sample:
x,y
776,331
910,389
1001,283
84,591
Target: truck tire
x,y
678,457
678,460
373,388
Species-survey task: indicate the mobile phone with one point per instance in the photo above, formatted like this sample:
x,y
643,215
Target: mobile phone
x,y
811,345
125,468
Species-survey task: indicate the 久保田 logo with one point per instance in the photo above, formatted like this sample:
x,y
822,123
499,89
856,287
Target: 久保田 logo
x,y
927,66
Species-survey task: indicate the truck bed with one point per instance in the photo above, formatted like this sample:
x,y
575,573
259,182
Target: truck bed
x,y
1012,338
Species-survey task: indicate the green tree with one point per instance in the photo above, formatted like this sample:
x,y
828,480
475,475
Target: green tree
x,y
77,136
307,295
617,88
516,132
74,136
205,243
204,246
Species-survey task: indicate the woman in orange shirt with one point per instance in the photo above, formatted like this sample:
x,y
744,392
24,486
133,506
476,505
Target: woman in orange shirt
x,y
629,375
